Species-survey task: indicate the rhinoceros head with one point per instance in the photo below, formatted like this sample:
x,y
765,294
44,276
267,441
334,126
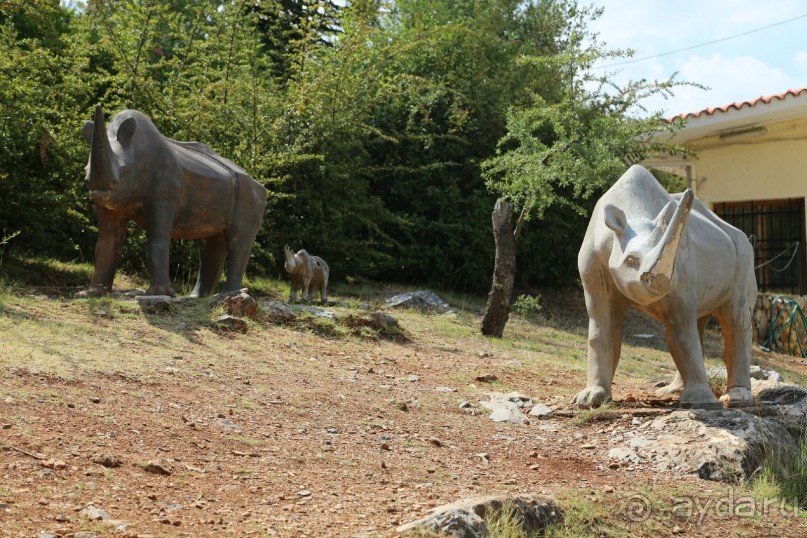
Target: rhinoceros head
x,y
291,262
108,146
642,260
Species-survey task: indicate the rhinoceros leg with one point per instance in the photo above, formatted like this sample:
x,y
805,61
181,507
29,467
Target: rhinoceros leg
x,y
606,311
238,256
735,321
108,249
159,225
687,352
307,287
242,231
677,384
295,283
212,254
323,288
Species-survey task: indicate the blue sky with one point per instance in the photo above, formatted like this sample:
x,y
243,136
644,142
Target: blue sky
x,y
764,62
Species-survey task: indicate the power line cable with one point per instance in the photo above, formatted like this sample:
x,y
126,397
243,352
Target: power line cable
x,y
643,58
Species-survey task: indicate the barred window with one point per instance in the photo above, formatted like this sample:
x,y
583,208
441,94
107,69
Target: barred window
x,y
776,229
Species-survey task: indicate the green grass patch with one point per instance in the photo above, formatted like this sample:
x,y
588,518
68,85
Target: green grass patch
x,y
506,522
785,476
605,413
267,287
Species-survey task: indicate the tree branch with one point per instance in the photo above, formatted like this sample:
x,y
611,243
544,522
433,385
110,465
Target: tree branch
x,y
527,207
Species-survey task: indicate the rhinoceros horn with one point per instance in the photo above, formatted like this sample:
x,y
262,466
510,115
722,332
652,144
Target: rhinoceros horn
x,y
102,172
661,271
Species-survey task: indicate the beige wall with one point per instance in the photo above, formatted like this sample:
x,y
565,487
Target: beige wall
x,y
757,166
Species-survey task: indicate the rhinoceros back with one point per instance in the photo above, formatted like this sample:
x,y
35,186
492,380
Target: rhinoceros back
x,y
198,157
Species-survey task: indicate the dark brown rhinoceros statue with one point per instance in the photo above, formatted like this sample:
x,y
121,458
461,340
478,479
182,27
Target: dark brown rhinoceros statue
x,y
181,190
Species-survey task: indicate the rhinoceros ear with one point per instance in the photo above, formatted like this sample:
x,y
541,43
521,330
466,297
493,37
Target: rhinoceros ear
x,y
125,131
87,131
615,219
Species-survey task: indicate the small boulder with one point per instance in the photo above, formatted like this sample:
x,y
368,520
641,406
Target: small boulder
x,y
155,304
278,312
385,322
230,323
157,467
106,460
238,303
420,300
541,411
94,514
467,518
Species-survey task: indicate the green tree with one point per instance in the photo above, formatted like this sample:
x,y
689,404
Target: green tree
x,y
42,90
563,150
288,26
449,75
325,203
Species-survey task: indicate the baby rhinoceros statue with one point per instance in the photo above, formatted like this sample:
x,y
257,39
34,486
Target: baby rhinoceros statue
x,y
307,271
181,190
672,258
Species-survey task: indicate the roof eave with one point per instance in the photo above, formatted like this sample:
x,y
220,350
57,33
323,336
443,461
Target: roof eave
x,y
735,117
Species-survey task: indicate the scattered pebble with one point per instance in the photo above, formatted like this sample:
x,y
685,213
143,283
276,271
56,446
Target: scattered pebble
x,y
156,467
486,378
107,460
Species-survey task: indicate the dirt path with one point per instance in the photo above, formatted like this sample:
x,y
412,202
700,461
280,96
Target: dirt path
x,y
285,433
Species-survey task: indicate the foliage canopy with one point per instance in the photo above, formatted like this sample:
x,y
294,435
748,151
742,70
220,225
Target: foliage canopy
x,y
383,130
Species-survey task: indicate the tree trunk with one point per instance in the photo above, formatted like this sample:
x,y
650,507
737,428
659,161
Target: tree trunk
x,y
498,308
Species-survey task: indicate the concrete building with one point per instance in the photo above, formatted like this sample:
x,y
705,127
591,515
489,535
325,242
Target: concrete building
x,y
750,167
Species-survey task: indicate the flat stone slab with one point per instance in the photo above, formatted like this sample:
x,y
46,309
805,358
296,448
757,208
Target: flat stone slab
x,y
313,311
155,298
421,300
507,407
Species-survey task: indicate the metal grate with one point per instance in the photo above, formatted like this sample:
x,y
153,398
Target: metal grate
x,y
776,229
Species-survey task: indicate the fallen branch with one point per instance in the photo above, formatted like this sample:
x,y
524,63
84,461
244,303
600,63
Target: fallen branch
x,y
21,451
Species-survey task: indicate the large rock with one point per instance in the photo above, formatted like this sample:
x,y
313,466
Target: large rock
x,y
421,300
724,445
466,518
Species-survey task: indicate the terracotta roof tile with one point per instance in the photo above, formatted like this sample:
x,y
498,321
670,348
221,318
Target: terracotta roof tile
x,y
739,105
